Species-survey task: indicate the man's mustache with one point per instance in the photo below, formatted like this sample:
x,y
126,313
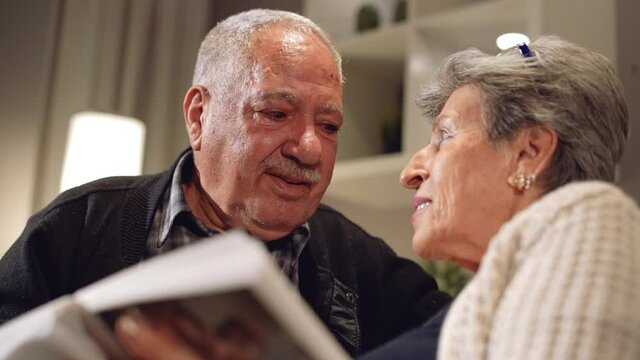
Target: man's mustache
x,y
289,167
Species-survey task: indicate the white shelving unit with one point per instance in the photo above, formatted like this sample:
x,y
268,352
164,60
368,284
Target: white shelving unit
x,y
399,58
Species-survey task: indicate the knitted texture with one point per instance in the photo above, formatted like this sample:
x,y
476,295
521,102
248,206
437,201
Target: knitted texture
x,y
559,281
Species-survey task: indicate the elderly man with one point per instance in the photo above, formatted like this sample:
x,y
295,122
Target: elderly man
x,y
262,118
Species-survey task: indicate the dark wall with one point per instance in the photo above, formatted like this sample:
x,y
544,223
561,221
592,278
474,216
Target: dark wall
x,y
27,31
629,69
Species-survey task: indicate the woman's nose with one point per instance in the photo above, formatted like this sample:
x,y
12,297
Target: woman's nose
x,y
415,172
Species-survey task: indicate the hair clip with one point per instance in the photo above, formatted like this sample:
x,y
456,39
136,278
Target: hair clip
x,y
524,50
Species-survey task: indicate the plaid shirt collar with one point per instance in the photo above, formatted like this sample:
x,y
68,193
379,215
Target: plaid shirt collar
x,y
177,204
175,223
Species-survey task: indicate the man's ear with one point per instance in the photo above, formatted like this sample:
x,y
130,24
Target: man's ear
x,y
193,109
535,146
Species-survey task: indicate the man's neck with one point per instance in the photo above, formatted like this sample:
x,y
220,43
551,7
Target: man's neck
x,y
203,207
214,218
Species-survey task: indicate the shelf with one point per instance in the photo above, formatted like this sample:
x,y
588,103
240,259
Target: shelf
x,y
475,25
387,43
371,182
372,95
422,7
484,13
378,63
385,68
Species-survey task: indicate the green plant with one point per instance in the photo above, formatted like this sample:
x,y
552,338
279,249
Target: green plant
x,y
451,278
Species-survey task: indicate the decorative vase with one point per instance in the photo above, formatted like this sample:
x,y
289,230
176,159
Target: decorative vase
x,y
400,13
368,18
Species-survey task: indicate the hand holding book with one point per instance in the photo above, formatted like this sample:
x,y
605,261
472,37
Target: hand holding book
x,y
163,331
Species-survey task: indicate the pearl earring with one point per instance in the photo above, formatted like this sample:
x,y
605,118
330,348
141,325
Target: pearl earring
x,y
522,183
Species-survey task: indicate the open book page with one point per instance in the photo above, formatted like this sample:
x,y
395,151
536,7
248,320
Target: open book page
x,y
224,263
60,329
226,281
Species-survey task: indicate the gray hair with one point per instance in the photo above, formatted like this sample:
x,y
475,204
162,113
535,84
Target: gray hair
x,y
566,87
225,59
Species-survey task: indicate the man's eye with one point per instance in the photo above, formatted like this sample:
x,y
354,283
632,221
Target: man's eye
x,y
275,114
330,128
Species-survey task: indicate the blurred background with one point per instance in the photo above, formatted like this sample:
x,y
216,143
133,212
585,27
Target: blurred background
x,y
134,59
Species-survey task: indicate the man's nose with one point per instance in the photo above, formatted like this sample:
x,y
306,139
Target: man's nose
x,y
415,172
305,146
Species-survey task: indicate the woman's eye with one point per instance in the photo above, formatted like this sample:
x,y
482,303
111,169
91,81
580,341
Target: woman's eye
x,y
445,135
438,137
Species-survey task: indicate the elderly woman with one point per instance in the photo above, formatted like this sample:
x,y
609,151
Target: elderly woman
x,y
515,184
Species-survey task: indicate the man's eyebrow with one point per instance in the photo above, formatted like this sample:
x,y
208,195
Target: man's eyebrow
x,y
273,95
260,97
330,108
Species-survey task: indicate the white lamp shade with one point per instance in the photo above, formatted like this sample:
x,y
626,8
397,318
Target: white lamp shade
x,y
505,41
101,145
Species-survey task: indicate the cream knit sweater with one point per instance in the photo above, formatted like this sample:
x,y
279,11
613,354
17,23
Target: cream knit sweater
x,y
561,280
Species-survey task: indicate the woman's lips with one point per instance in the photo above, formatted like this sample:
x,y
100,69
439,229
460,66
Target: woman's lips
x,y
419,205
422,206
420,201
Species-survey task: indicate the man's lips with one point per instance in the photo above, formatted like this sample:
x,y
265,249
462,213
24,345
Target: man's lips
x,y
291,179
289,187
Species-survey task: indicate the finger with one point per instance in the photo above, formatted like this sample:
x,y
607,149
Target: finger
x,y
174,320
211,346
244,333
198,336
224,350
145,341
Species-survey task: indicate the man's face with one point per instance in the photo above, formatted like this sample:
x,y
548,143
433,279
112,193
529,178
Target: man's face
x,y
267,163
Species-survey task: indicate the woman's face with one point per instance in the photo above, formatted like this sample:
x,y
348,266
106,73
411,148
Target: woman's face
x,y
462,195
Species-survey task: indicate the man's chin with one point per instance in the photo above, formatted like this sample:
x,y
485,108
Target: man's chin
x,y
277,221
271,231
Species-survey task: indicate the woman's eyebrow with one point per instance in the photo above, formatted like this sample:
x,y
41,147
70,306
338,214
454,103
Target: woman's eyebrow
x,y
436,123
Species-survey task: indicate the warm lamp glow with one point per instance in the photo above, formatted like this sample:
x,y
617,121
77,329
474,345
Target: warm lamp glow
x,y
100,145
508,40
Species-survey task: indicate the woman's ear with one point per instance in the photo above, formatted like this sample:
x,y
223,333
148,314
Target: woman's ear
x,y
194,111
535,146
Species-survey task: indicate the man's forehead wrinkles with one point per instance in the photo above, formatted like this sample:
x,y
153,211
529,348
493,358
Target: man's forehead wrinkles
x,y
262,96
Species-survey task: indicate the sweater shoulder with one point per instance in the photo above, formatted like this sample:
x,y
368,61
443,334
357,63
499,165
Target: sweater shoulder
x,y
112,187
328,217
581,215
584,194
576,202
